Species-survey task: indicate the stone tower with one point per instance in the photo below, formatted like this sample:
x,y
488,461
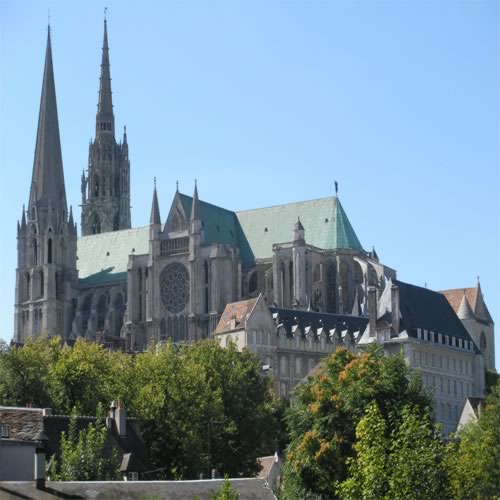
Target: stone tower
x,y
106,188
46,273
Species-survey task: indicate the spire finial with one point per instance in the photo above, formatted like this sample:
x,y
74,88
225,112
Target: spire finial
x,y
177,185
48,20
336,188
154,180
478,278
105,13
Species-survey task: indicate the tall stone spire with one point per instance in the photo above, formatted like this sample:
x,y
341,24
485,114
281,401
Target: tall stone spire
x,y
155,209
46,275
195,215
106,187
48,178
105,120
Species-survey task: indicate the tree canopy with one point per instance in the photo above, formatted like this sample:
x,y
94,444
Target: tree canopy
x,y
201,407
326,411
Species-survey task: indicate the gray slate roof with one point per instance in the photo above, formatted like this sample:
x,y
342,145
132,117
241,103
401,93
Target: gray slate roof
x,y
248,489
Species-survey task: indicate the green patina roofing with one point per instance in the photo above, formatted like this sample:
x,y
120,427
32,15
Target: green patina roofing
x,y
103,258
325,223
340,233
219,224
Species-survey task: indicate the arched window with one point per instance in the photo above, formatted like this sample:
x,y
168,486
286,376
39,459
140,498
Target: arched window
x,y
28,286
282,284
290,275
101,311
96,225
482,341
119,312
317,273
252,284
358,273
116,222
49,251
163,329
96,186
117,185
35,251
86,307
42,284
176,329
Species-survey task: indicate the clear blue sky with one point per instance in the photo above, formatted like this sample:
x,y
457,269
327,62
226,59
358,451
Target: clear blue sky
x,y
268,102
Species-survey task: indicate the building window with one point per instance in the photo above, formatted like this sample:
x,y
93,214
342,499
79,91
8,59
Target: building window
x,y
49,251
42,284
482,341
252,283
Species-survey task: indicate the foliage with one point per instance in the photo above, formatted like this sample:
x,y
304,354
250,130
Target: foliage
x,y
407,464
322,423
203,407
226,491
83,454
42,374
416,458
25,373
473,458
367,471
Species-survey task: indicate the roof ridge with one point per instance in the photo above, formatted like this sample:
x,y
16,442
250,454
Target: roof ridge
x,y
286,204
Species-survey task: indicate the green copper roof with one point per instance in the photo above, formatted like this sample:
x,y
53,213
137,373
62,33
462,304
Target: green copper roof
x,y
219,224
103,258
340,233
325,223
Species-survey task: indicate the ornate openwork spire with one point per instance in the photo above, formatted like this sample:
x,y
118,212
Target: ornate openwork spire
x,y
105,121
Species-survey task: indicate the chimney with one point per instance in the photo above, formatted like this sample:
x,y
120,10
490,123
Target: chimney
x,y
41,439
121,419
395,307
372,310
233,322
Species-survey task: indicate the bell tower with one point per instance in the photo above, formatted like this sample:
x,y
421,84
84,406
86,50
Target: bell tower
x,y
106,187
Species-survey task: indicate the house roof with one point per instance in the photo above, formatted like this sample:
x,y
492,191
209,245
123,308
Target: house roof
x,y
238,311
25,423
475,299
103,258
248,489
427,309
294,317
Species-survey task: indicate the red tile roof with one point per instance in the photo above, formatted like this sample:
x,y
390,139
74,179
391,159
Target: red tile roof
x,y
236,310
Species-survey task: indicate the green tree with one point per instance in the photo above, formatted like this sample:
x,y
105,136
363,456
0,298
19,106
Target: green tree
x,y
83,455
226,491
322,423
416,456
87,374
368,469
473,457
203,407
25,372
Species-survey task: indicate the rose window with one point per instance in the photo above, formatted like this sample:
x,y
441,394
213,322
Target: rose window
x,y
174,287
